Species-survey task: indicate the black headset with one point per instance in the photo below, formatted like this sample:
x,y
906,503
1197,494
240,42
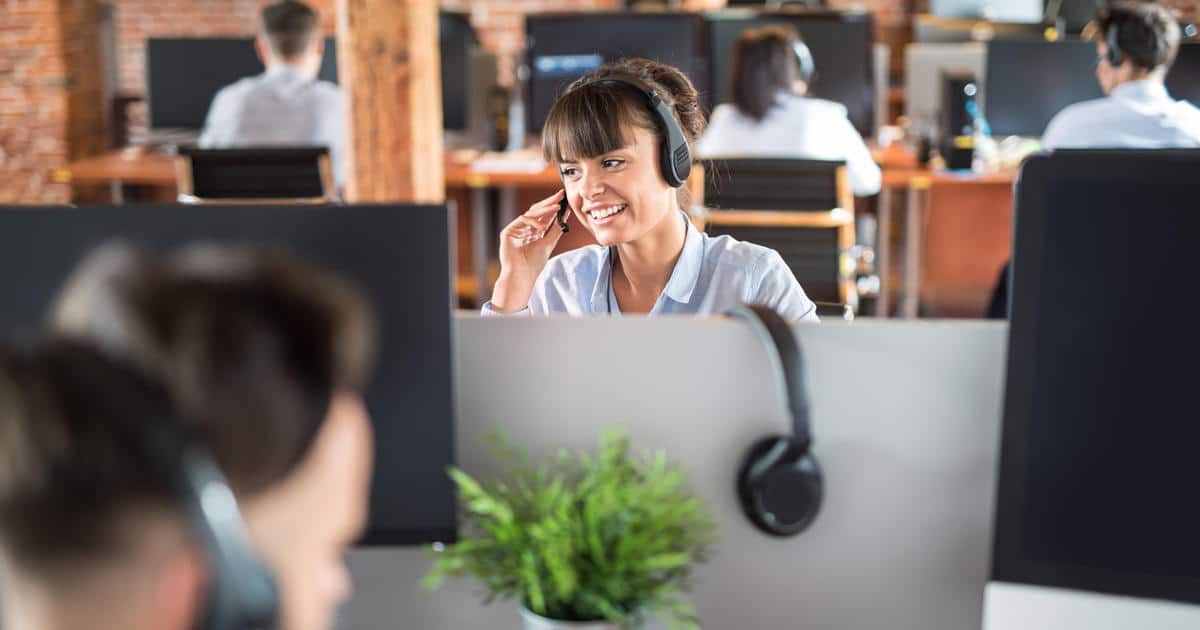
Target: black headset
x,y
1114,55
804,61
674,155
779,482
241,593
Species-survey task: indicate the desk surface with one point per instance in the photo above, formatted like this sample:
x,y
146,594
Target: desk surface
x,y
130,166
134,166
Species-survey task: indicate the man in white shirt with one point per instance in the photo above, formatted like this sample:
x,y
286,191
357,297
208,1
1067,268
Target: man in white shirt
x,y
771,117
287,104
1136,44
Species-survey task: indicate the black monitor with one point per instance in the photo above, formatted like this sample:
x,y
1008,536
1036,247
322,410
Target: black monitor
x,y
457,41
410,396
1098,465
562,47
183,75
1028,81
841,46
1183,79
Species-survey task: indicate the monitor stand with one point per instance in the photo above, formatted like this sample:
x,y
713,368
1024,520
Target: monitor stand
x,y
1009,606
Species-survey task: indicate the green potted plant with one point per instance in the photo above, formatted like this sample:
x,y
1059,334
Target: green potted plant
x,y
582,541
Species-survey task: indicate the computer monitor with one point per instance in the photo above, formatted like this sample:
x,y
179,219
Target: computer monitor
x,y
924,66
1027,82
410,396
564,46
841,46
184,74
457,40
1183,79
1096,512
1023,11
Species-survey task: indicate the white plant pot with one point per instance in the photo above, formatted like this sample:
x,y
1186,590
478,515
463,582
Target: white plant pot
x,y
534,621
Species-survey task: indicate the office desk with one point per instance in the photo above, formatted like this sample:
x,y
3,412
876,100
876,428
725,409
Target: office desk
x,y
956,237
117,168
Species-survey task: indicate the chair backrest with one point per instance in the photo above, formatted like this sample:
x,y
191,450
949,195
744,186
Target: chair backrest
x,y
812,251
258,174
777,184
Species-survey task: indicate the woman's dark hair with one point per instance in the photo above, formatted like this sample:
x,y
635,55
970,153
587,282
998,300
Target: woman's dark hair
x,y
75,469
251,344
591,119
1147,33
764,64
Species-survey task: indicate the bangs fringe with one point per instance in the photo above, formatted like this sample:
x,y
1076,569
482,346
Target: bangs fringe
x,y
591,121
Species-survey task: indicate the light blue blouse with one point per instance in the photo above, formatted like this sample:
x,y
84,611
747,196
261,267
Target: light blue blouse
x,y
711,276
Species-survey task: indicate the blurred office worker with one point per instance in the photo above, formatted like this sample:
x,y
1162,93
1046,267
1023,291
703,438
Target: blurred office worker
x,y
621,137
772,117
259,360
286,105
1136,45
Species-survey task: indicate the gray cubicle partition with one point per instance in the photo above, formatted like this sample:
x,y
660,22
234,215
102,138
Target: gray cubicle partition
x,y
906,426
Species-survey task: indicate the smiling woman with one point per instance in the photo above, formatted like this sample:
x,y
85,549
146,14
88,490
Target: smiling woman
x,y
621,137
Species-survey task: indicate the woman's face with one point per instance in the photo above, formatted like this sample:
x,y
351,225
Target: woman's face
x,y
620,195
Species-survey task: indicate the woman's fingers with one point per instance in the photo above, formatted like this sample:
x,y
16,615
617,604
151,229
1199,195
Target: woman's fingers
x,y
546,207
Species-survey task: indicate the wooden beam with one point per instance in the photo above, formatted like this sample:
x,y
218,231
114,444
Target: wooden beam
x,y
391,70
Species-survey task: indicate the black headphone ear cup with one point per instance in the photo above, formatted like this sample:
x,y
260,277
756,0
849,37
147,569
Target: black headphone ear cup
x,y
780,486
1113,55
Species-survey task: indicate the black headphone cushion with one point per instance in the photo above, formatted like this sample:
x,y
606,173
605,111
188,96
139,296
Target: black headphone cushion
x,y
780,486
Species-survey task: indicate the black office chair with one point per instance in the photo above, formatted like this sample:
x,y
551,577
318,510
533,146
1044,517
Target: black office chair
x,y
803,209
254,175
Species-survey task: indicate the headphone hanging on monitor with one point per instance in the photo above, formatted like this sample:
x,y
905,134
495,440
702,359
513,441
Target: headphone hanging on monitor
x,y
242,594
1114,55
780,484
804,61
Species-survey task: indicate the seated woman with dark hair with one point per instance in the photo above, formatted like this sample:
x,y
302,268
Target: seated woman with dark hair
x,y
621,137
771,116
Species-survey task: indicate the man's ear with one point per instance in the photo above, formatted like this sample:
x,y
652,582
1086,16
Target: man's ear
x,y
182,590
263,50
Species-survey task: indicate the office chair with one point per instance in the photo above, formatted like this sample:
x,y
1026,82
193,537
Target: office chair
x,y
254,175
803,209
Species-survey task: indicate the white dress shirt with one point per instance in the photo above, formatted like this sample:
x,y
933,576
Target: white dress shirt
x,y
797,127
711,276
280,107
1136,115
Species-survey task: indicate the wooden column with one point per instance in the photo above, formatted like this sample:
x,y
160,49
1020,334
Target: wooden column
x,y
391,71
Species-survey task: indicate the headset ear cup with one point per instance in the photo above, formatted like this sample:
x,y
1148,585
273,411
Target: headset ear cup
x,y
780,486
1113,55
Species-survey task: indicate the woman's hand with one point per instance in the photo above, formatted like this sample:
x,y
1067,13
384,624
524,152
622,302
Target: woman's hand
x,y
525,246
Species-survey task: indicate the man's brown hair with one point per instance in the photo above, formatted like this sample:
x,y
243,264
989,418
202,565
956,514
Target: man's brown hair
x,y
289,27
251,344
1146,32
75,470
242,348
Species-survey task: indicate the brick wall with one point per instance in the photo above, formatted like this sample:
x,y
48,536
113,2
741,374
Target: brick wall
x,y
50,102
